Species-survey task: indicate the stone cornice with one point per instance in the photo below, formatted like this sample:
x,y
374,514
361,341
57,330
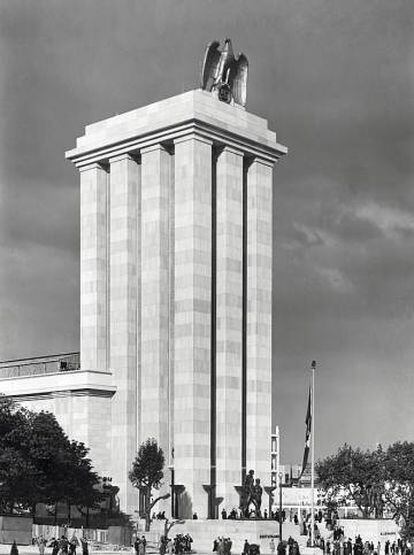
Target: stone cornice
x,y
102,154
167,121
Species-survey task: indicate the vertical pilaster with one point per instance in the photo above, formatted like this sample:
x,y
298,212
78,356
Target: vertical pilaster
x,y
124,189
229,217
155,294
259,318
94,262
192,327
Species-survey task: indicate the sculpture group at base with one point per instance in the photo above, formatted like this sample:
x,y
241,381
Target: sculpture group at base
x,y
251,494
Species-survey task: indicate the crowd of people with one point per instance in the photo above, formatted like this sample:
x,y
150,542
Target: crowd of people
x,y
180,544
346,546
290,547
235,514
222,546
333,543
62,545
140,545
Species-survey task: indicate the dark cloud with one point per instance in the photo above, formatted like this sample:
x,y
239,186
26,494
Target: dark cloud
x,y
335,80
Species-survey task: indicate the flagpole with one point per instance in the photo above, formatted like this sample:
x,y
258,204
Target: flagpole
x,y
313,366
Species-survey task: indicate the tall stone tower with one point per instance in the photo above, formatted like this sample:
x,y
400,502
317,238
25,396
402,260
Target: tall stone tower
x,y
176,275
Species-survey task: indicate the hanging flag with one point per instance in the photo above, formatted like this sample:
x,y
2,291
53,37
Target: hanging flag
x,y
308,422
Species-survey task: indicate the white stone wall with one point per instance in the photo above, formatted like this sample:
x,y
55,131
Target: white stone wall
x,y
83,417
124,190
155,315
192,329
146,287
229,317
94,267
259,318
155,299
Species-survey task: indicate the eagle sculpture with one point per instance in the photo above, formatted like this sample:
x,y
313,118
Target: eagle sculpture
x,y
224,74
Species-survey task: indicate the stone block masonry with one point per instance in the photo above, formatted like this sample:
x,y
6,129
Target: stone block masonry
x,y
176,302
176,262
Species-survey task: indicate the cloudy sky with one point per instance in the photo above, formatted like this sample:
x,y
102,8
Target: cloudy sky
x,y
335,79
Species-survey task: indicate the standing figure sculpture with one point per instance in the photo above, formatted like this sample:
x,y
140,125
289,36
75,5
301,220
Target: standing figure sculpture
x,y
251,494
247,493
224,74
257,498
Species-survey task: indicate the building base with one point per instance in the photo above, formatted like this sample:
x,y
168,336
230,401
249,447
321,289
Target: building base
x,y
204,532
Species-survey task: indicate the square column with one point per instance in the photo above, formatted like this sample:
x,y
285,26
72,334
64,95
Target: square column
x,y
155,295
94,267
229,318
259,318
124,264
192,326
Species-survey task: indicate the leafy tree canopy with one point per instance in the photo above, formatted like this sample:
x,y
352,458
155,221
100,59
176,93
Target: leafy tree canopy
x,y
147,473
373,480
354,474
147,468
38,462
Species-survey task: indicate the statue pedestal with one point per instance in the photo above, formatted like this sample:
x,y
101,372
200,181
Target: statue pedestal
x,y
213,501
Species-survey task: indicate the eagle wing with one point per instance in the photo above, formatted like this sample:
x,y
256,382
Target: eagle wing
x,y
210,65
240,80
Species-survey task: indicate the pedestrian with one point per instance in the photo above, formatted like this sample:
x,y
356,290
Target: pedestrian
x,y
41,544
54,544
73,544
227,546
85,548
64,545
136,545
272,546
143,545
14,550
162,545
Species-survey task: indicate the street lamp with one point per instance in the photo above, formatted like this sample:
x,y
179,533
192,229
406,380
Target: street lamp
x,y
280,506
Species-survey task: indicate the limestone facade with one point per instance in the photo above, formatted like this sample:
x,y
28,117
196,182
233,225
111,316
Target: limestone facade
x,y
176,265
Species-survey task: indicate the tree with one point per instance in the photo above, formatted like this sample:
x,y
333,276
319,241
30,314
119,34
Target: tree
x,y
146,474
39,464
399,486
353,474
18,475
18,479
81,481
